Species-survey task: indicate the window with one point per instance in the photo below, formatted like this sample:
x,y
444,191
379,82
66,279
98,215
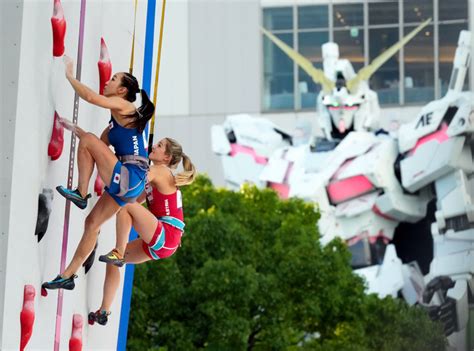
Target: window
x,y
452,10
383,33
310,47
417,11
348,15
313,31
308,26
385,81
383,12
279,18
313,17
419,66
278,78
351,46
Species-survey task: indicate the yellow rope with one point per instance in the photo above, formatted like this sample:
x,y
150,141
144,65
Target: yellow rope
x,y
132,55
157,75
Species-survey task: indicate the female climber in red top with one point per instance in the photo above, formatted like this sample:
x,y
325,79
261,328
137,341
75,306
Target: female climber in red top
x,y
160,226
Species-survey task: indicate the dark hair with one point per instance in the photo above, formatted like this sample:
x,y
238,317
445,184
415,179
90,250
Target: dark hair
x,y
174,149
142,114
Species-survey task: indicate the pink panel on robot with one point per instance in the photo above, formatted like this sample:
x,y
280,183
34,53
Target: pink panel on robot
x,y
346,189
282,189
358,237
236,149
372,238
380,235
377,211
439,135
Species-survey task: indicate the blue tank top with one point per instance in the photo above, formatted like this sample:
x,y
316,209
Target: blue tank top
x,y
127,141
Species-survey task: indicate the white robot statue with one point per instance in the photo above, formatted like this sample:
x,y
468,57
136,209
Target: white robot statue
x,y
436,155
256,151
246,144
374,190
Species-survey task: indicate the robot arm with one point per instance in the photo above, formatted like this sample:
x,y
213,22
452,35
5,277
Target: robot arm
x,y
462,59
437,147
245,145
444,300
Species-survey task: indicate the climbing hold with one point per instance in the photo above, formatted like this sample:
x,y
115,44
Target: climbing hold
x,y
105,66
44,210
27,315
56,143
75,342
59,29
90,260
98,185
44,292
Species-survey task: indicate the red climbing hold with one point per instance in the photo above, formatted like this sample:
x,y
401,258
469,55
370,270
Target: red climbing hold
x,y
75,342
55,147
105,66
27,315
59,29
98,185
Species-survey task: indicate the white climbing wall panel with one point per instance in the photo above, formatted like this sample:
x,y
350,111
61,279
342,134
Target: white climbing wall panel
x,y
33,87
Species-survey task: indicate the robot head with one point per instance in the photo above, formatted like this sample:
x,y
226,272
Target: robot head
x,y
341,107
344,108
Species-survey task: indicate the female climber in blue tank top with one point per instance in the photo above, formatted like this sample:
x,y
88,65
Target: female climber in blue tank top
x,y
124,171
160,226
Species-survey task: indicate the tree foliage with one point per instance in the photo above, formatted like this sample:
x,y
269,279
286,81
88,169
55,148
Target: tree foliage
x,y
251,275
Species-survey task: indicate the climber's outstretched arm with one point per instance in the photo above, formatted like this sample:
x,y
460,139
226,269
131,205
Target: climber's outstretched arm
x,y
115,103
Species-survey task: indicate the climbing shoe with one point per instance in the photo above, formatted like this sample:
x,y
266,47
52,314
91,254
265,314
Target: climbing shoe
x,y
98,316
60,283
74,195
113,257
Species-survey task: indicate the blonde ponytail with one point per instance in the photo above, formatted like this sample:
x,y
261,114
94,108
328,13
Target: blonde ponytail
x,y
174,149
188,175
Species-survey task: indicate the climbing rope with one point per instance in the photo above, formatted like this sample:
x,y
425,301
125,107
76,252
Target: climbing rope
x,y
132,55
157,75
75,114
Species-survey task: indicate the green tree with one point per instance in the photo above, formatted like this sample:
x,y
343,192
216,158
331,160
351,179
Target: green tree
x,y
251,275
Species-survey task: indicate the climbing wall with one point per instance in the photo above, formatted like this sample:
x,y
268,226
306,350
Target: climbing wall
x,y
34,88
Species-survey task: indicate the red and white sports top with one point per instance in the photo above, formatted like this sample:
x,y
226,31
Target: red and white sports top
x,y
164,205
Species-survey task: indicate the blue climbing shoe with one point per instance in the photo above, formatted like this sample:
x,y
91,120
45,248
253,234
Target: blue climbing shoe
x,y
60,283
74,195
98,316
